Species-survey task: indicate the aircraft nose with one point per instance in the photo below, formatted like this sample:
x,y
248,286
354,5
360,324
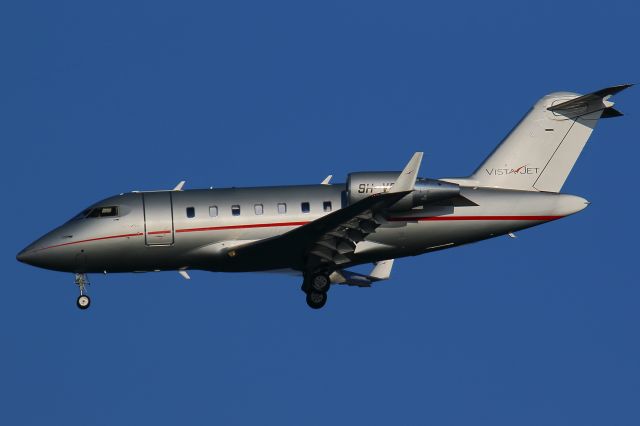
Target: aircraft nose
x,y
27,255
38,253
22,256
34,254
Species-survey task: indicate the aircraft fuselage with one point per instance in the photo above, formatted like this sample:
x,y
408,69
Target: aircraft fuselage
x,y
153,231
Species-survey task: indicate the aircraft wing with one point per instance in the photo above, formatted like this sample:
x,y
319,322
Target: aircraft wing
x,y
327,242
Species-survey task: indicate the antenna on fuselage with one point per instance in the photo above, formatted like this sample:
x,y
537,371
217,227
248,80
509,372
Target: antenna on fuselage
x,y
179,185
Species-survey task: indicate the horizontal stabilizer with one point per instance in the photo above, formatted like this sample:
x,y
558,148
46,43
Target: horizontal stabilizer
x,y
590,98
611,113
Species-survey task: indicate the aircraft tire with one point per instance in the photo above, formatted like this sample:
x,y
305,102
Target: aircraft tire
x,y
320,283
83,301
316,299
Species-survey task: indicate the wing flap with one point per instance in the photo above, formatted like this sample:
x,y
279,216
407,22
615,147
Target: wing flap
x,y
380,272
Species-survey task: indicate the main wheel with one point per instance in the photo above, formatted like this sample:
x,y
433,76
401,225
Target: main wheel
x,y
320,283
316,299
83,301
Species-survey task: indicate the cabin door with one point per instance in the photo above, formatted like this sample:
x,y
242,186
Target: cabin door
x,y
158,218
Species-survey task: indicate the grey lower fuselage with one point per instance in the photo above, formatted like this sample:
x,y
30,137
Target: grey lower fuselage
x,y
153,231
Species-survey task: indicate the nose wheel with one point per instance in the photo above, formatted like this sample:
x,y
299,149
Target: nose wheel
x,y
83,301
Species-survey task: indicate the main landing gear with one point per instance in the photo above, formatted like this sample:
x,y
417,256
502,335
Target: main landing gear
x,y
83,301
316,287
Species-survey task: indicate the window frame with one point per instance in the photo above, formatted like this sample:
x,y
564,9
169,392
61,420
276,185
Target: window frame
x,y
306,204
83,214
190,212
236,210
284,208
99,215
213,209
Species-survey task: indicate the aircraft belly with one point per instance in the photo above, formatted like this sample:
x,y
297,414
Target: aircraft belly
x,y
208,250
497,212
419,237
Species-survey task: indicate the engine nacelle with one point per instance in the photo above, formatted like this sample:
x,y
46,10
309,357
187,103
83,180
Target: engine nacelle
x,y
362,184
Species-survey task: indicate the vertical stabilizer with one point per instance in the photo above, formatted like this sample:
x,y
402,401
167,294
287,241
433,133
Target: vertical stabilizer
x,y
539,153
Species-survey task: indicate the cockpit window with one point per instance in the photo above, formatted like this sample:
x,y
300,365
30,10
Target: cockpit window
x,y
81,215
111,211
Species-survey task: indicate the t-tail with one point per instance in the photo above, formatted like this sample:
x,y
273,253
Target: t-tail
x,y
539,153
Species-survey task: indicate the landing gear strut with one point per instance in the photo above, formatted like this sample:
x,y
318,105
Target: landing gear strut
x,y
316,287
83,301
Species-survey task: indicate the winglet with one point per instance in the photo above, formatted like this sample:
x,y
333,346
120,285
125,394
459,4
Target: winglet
x,y
407,179
179,186
326,180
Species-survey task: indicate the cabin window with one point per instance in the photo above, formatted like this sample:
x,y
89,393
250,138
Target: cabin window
x,y
111,211
326,206
282,208
213,211
258,208
305,207
235,210
191,212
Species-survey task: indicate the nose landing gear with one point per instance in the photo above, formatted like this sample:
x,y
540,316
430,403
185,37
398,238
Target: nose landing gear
x,y
83,301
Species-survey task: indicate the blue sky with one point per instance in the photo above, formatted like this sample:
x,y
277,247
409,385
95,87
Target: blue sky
x,y
98,98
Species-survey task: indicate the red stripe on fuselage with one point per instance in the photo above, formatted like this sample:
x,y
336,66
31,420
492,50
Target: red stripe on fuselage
x,y
138,234
277,224
255,225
